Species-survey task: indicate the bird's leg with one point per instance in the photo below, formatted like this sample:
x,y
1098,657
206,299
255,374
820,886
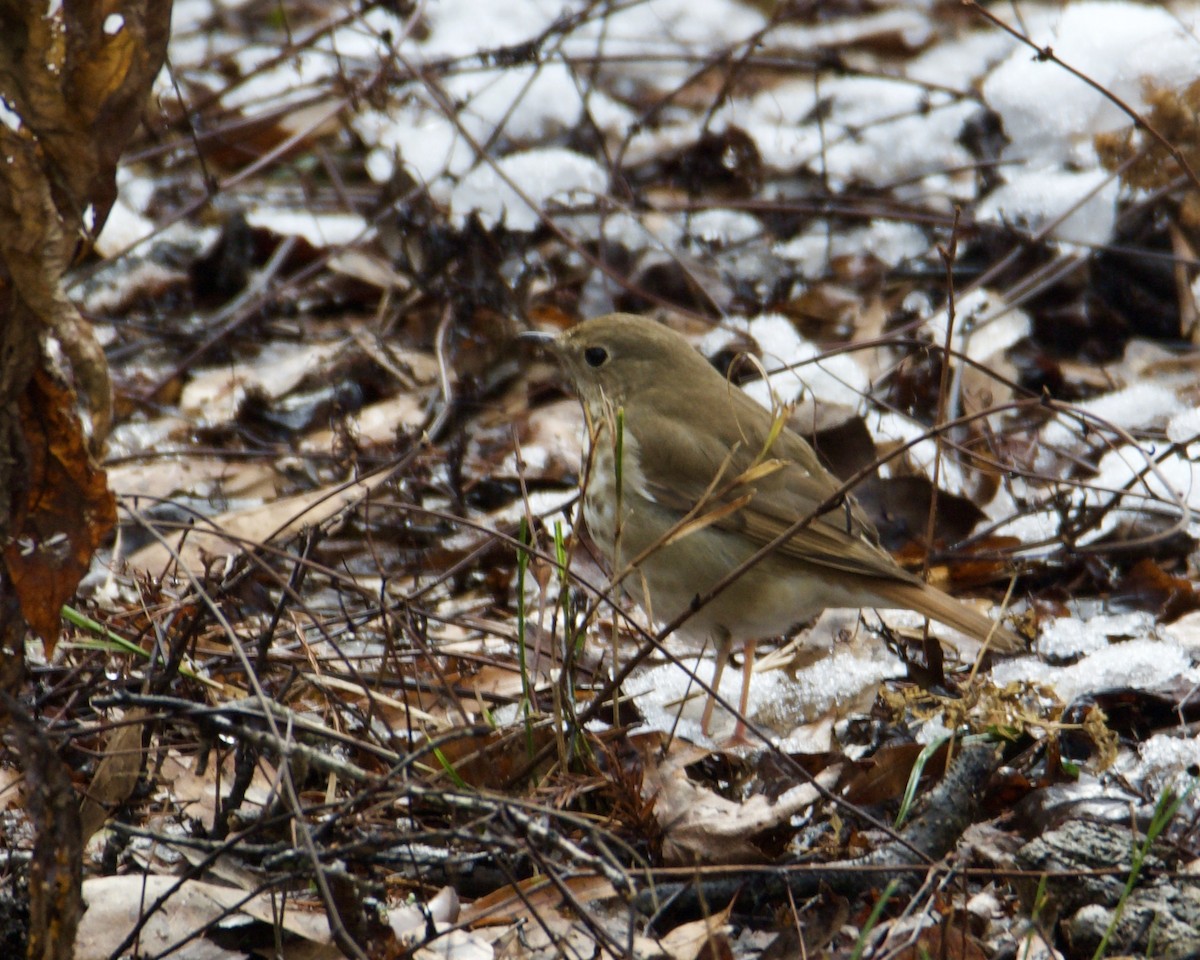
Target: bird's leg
x,y
724,643
739,730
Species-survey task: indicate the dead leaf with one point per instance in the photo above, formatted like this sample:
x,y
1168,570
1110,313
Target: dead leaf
x,y
237,530
64,512
529,898
701,827
1149,587
884,776
115,904
950,941
378,423
706,939
216,394
493,761
195,477
198,795
821,919
115,777
10,788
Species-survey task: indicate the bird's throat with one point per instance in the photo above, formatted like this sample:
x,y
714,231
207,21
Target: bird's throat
x,y
615,484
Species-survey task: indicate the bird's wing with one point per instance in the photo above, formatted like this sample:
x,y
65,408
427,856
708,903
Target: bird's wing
x,y
839,538
758,492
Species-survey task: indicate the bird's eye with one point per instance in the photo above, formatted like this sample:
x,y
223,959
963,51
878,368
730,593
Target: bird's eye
x,y
595,356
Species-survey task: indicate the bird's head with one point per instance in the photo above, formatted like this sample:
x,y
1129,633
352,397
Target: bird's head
x,y
615,359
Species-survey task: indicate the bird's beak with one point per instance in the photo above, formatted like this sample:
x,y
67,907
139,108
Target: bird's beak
x,y
542,341
539,337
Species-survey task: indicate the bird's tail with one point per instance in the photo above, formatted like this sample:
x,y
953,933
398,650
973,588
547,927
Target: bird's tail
x,y
943,608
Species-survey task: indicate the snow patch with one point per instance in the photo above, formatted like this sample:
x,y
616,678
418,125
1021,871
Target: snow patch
x,y
532,102
1184,427
836,379
320,229
1138,663
1136,407
1075,207
552,174
1068,637
1050,116
984,325
890,241
124,229
722,228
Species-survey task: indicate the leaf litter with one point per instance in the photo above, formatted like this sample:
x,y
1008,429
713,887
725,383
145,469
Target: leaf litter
x,y
348,494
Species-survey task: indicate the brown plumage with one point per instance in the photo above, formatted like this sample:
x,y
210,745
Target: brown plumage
x,y
708,478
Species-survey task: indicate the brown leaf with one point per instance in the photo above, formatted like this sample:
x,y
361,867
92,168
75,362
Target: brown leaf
x,y
63,514
77,79
1149,587
885,775
900,508
115,904
727,164
115,778
531,898
492,762
821,920
228,533
705,939
950,941
845,447
700,826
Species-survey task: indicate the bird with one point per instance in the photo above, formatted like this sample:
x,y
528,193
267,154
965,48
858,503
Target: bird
x,y
688,479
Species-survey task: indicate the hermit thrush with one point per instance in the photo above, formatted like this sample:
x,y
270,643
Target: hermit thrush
x,y
689,479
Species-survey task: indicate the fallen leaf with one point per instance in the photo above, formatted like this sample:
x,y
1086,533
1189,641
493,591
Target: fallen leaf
x,y
237,530
706,939
116,904
529,898
64,512
701,827
115,777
